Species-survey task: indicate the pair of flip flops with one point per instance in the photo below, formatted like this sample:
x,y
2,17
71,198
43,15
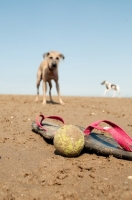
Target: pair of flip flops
x,y
120,145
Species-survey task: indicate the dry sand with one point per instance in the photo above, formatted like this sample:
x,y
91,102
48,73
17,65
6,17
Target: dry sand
x,y
29,167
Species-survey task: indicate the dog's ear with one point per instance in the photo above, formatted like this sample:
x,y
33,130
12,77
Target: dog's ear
x,y
61,56
45,55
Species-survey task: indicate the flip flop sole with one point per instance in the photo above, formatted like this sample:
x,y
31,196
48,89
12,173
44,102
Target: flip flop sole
x,y
51,129
94,143
104,145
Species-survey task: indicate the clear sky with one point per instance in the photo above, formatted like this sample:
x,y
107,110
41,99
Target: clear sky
x,y
94,36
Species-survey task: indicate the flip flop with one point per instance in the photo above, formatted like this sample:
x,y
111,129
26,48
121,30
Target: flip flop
x,y
119,146
46,129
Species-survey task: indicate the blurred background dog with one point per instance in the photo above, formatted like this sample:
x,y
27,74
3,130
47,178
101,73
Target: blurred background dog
x,y
110,86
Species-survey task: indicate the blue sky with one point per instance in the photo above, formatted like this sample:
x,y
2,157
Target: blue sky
x,y
95,37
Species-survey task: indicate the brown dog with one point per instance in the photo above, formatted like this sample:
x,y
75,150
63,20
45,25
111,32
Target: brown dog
x,y
47,71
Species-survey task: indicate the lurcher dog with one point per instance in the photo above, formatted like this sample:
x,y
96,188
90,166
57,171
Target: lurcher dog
x,y
110,86
47,71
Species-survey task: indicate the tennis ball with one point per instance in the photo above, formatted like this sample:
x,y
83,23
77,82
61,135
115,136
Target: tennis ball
x,y
69,141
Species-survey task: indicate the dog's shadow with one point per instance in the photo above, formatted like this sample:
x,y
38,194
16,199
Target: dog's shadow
x,y
52,102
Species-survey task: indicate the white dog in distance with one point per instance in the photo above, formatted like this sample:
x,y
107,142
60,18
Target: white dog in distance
x,y
110,86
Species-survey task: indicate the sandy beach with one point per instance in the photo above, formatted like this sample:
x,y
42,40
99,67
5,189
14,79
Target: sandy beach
x,y
29,167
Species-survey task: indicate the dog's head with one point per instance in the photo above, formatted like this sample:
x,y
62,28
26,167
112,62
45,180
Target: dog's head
x,y
53,59
103,82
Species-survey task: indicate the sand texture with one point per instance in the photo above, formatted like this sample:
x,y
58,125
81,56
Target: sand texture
x,y
29,167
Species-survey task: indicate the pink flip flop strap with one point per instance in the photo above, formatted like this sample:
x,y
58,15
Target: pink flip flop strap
x,y
117,133
39,123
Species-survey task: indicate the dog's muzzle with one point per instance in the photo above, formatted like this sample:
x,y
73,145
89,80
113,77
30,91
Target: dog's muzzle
x,y
53,66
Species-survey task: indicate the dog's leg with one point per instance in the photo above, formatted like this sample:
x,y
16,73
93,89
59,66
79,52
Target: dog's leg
x,y
58,91
39,78
105,92
118,90
114,92
119,95
44,92
50,87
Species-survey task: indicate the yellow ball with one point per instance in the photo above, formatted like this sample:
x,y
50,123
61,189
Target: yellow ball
x,y
69,141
